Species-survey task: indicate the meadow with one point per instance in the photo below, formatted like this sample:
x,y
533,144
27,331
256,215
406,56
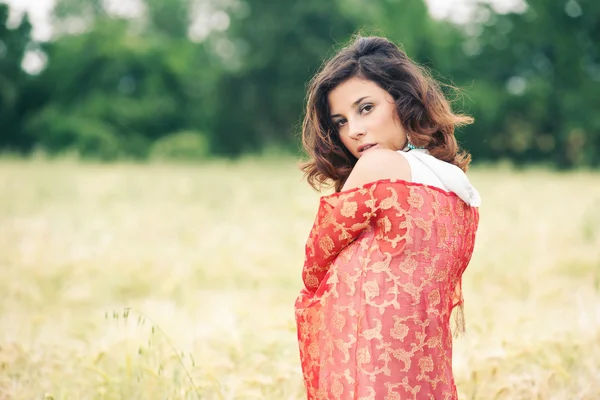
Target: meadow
x,y
128,281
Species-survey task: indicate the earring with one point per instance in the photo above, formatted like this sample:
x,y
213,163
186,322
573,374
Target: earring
x,y
412,146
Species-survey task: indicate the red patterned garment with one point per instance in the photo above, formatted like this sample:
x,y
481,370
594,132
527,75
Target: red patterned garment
x,y
382,274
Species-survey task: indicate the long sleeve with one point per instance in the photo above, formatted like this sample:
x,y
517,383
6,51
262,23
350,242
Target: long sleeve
x,y
341,218
382,274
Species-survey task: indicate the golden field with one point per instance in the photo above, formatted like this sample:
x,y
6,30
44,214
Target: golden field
x,y
128,281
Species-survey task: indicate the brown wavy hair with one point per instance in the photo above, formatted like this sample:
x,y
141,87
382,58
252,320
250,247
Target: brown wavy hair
x,y
424,111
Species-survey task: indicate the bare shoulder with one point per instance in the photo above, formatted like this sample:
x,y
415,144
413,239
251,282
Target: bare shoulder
x,y
378,164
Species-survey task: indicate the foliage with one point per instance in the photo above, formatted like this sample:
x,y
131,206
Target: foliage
x,y
130,87
187,146
114,85
536,80
13,81
260,98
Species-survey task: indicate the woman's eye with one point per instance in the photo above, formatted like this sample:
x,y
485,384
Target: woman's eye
x,y
366,108
340,122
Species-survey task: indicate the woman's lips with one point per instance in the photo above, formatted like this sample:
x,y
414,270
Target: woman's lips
x,y
366,147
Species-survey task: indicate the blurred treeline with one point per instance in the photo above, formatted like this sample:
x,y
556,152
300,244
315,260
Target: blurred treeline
x,y
191,79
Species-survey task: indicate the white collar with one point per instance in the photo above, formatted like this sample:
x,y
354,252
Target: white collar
x,y
451,176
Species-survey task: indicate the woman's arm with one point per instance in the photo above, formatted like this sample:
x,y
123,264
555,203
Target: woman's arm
x,y
344,216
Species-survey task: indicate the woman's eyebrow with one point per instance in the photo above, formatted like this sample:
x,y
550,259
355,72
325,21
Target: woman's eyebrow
x,y
356,103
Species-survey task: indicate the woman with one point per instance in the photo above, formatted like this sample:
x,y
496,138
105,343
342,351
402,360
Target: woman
x,y
387,251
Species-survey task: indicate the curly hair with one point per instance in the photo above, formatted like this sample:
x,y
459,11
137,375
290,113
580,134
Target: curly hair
x,y
424,111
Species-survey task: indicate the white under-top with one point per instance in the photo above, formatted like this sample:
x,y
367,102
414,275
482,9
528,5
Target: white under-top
x,y
420,173
428,170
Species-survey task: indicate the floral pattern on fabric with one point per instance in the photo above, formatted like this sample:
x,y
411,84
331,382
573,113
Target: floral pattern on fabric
x,y
382,274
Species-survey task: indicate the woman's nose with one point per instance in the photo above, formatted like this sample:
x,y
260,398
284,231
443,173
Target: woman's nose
x,y
355,130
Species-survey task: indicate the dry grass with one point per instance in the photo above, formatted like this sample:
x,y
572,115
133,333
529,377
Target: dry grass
x,y
125,281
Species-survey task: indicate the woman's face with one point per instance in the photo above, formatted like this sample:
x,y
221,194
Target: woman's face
x,y
365,116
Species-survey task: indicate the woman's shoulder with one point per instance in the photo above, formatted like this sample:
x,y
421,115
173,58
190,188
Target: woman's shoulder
x,y
378,164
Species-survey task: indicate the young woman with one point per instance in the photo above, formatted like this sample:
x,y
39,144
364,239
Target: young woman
x,y
387,251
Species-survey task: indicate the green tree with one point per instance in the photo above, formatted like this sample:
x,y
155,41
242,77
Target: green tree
x,y
536,83
531,80
13,46
269,52
115,89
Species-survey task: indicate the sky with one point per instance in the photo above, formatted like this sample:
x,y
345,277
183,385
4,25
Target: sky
x,y
39,12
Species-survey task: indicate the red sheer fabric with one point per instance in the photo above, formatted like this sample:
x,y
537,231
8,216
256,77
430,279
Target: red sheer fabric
x,y
382,274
